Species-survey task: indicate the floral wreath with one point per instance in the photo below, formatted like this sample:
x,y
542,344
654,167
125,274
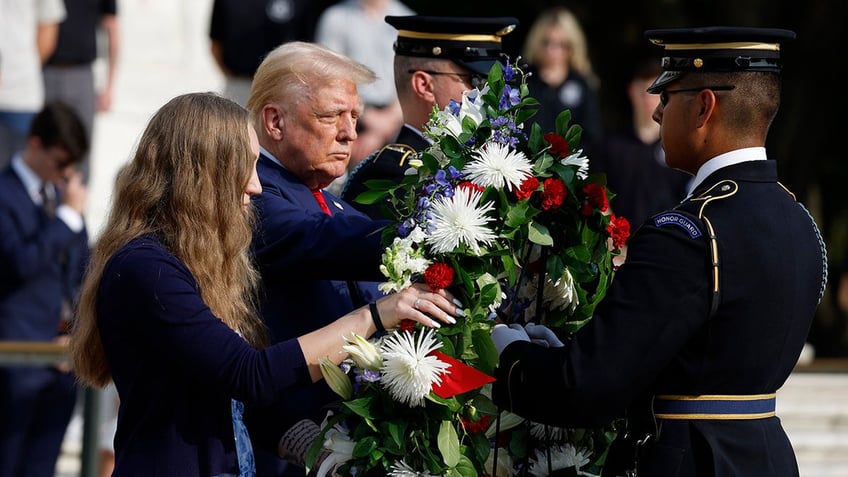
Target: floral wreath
x,y
490,210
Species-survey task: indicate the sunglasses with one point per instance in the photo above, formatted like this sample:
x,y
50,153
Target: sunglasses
x,y
476,81
664,93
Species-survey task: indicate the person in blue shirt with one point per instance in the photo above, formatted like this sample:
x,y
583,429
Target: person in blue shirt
x,y
167,309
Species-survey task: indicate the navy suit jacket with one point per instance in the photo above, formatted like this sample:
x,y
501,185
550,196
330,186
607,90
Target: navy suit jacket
x,y
176,366
42,263
306,259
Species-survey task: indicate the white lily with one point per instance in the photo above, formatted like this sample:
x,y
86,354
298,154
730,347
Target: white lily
x,y
336,378
341,450
363,352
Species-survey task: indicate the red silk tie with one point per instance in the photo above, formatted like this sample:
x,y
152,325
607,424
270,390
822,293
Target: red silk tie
x,y
323,203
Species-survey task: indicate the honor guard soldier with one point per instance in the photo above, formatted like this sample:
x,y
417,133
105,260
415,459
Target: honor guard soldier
x,y
708,315
436,60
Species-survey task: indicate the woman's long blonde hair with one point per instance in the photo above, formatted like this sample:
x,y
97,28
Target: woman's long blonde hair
x,y
564,20
185,185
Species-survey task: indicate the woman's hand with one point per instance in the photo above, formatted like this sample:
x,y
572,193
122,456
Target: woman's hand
x,y
420,304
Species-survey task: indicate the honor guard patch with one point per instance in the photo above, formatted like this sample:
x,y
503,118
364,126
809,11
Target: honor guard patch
x,y
680,220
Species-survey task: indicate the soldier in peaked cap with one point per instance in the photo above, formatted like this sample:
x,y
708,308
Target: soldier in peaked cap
x,y
708,315
436,60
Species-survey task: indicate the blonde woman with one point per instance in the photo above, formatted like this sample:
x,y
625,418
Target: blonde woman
x,y
167,305
556,50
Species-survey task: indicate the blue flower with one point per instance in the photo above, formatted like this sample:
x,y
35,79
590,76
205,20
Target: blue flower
x,y
509,72
510,97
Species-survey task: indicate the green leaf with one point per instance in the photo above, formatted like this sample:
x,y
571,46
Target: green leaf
x,y
448,443
361,407
465,467
371,197
562,121
539,234
397,433
364,447
451,147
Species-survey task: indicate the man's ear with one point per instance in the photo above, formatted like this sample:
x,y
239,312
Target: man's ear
x,y
706,103
422,85
273,122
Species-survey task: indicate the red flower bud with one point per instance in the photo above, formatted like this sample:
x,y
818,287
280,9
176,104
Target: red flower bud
x,y
597,196
553,194
528,186
438,276
619,230
559,146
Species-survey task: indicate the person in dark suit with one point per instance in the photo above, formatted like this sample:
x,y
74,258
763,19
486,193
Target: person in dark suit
x,y
167,306
632,156
707,318
318,256
436,60
43,249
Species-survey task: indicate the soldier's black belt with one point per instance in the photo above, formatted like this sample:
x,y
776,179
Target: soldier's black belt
x,y
720,407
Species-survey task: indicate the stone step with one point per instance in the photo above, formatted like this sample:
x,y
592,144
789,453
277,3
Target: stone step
x,y
813,407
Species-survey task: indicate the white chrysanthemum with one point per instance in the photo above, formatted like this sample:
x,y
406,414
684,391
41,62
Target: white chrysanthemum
x,y
558,295
402,469
337,441
499,166
562,457
547,433
458,219
408,372
579,160
505,464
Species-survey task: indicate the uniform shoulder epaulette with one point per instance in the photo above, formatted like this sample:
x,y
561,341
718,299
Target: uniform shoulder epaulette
x,y
720,190
405,150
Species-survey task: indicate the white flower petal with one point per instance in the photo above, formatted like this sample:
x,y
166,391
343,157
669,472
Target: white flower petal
x,y
498,166
408,371
458,220
579,160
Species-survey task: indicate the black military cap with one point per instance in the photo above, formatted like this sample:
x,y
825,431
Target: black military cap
x,y
471,42
718,48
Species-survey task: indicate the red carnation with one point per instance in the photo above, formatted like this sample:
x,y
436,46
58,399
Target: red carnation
x,y
597,196
407,325
528,186
476,427
553,193
471,186
438,276
559,146
619,230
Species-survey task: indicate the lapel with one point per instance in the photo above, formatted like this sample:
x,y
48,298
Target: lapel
x,y
291,188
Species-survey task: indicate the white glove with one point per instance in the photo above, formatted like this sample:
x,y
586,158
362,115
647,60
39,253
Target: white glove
x,y
542,335
503,335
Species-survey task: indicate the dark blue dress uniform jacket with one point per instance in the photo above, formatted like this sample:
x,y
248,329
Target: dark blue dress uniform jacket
x,y
653,333
387,164
176,366
306,259
41,263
